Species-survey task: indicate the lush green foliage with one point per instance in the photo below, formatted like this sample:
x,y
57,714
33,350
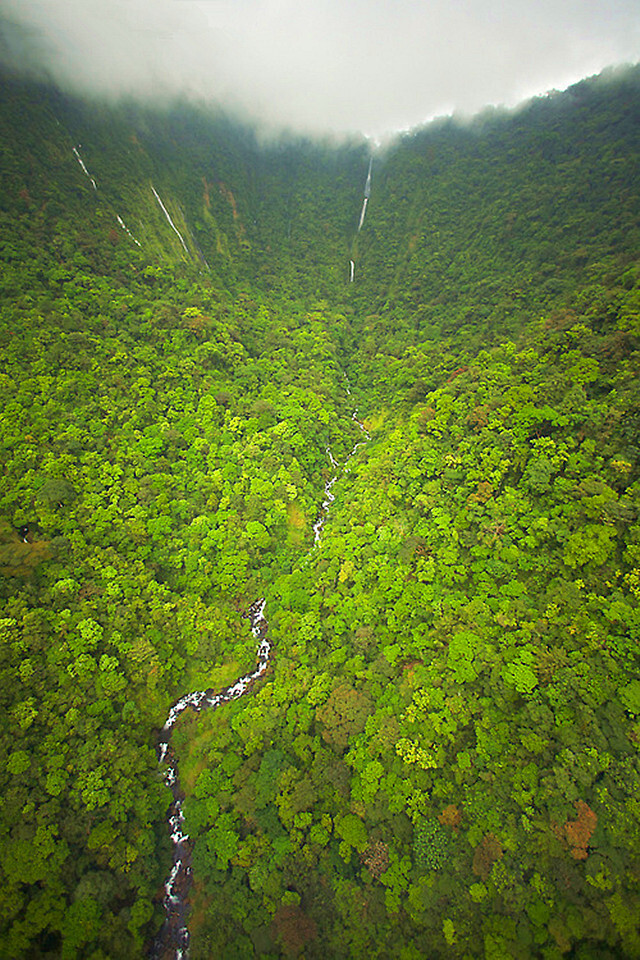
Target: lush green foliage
x,y
443,757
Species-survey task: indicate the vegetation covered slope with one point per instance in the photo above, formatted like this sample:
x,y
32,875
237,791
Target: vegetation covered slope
x,y
473,230
442,760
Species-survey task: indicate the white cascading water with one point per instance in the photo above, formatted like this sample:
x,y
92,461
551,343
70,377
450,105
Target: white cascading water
x,y
173,940
169,220
81,162
362,213
174,937
367,194
95,187
367,186
126,229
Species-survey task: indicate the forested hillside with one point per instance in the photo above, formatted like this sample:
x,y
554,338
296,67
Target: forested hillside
x,y
442,758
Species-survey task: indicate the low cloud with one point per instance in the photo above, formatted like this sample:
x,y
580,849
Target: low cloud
x,y
327,65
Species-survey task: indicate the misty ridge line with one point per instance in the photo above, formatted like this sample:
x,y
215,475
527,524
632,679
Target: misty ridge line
x,y
291,66
258,135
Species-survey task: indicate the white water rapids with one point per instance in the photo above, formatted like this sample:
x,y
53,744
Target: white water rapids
x,y
173,940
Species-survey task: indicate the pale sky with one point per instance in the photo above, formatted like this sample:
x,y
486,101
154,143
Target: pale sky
x,y
369,66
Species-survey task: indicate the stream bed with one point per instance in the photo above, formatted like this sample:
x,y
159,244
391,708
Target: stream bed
x,y
172,942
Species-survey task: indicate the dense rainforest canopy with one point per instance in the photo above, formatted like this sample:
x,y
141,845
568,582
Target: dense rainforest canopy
x,y
442,759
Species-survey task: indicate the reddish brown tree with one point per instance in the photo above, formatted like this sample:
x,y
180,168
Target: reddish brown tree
x,y
579,831
293,928
451,817
486,853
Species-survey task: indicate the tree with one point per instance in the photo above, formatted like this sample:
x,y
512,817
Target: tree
x,y
343,715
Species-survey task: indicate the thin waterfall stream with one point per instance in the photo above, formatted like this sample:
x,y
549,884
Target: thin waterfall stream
x,y
76,153
367,194
84,169
169,220
172,942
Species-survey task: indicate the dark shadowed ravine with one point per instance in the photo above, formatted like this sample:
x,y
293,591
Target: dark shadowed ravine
x,y
172,942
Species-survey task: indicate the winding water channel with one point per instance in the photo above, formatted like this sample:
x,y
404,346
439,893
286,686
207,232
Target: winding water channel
x,y
173,941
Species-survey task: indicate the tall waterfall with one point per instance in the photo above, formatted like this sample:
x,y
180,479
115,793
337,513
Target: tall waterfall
x,y
170,221
367,194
